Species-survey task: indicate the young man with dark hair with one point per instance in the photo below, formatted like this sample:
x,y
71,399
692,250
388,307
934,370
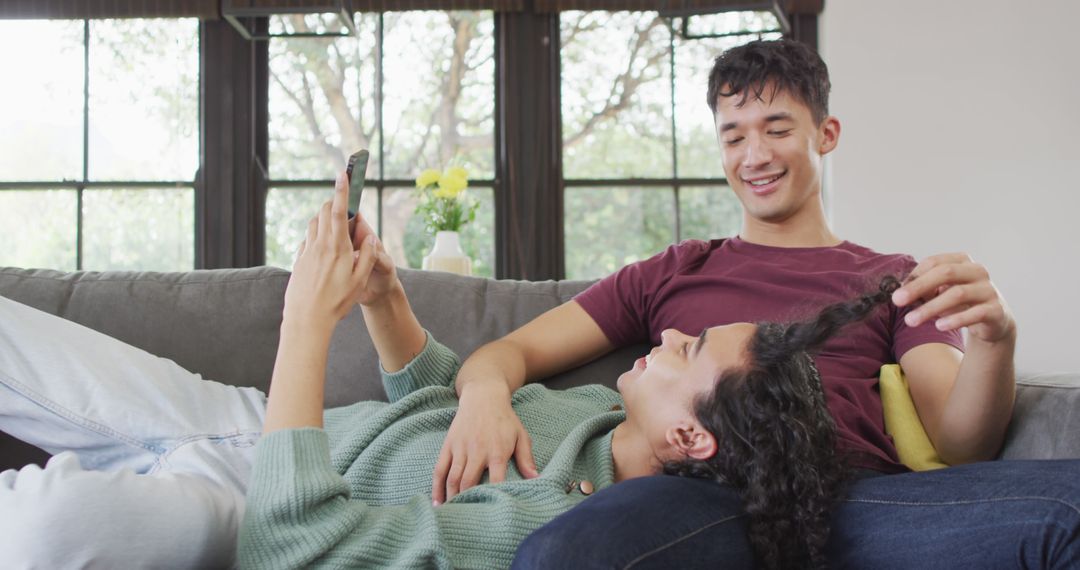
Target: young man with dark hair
x,y
770,102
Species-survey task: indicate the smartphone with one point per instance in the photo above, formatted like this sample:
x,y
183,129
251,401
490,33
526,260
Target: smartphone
x,y
358,164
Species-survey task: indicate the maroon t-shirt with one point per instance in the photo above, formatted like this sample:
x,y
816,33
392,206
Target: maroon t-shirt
x,y
695,284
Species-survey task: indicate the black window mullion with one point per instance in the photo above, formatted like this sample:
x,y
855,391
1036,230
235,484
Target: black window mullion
x,y
529,218
674,131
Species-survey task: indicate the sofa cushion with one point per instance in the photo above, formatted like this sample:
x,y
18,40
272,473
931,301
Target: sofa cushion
x,y
1046,418
463,313
224,323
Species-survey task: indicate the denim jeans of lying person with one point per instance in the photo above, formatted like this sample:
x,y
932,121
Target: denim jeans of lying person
x,y
151,461
999,514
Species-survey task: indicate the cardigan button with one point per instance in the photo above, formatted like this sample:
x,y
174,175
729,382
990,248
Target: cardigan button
x,y
586,488
616,408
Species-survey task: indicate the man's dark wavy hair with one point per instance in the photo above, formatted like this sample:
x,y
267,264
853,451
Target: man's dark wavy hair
x,y
774,65
776,441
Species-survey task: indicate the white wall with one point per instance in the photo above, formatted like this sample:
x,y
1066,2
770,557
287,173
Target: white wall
x,y
961,132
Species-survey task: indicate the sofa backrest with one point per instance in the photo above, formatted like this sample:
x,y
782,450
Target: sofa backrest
x,y
223,324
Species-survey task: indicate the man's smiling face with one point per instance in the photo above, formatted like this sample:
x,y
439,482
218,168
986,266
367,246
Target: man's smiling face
x,y
772,152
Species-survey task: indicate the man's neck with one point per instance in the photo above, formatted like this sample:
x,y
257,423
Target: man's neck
x,y
805,231
631,454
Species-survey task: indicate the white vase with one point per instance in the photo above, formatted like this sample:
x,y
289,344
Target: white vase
x,y
447,255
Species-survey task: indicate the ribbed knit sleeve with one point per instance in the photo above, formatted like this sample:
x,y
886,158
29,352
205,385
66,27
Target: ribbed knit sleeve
x,y
436,365
300,515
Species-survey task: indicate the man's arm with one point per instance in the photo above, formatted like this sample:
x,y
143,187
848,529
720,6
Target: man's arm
x,y
558,340
487,432
964,401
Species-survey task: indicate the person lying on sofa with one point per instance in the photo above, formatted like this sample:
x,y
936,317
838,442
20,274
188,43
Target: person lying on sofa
x,y
154,466
770,104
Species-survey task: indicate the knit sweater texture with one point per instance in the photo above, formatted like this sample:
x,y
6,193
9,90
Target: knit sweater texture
x,y
357,494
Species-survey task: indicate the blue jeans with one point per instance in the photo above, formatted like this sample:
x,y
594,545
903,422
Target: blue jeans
x,y
1000,514
151,461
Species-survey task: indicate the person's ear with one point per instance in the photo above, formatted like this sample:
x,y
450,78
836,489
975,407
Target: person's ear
x,y
691,440
828,135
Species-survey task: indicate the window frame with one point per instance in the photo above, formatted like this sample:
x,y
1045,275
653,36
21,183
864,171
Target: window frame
x,y
231,185
379,184
85,183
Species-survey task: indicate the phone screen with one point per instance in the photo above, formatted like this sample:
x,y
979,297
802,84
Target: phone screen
x,y
357,164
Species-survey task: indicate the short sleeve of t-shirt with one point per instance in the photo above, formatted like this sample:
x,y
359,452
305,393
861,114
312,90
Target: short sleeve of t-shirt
x,y
906,338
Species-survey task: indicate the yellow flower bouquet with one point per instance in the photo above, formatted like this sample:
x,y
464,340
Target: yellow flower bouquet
x,y
444,205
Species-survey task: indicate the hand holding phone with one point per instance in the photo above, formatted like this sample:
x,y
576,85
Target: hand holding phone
x,y
357,164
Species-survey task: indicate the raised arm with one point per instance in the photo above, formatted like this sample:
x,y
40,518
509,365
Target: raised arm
x,y
335,268
486,432
965,400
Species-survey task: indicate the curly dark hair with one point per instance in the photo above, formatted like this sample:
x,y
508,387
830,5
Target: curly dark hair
x,y
776,441
782,65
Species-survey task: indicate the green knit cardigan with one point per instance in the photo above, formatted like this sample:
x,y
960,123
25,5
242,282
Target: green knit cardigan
x,y
357,493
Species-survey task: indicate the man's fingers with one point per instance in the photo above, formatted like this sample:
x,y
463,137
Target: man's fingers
x,y
972,316
926,285
956,297
523,456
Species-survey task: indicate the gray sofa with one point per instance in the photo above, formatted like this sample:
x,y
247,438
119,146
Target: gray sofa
x,y
223,324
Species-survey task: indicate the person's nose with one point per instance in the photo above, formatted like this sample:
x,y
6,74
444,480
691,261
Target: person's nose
x,y
758,153
665,337
669,338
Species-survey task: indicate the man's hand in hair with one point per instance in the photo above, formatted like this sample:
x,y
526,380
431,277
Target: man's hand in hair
x,y
956,292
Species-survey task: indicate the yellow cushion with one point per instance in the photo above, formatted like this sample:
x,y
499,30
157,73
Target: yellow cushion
x,y
902,422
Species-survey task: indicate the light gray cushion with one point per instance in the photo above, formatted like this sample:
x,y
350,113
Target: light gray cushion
x,y
220,323
224,323
1046,418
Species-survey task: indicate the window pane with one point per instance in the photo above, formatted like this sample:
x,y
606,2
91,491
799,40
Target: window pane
x,y
144,99
325,23
37,228
730,23
439,92
709,212
288,211
616,95
699,152
146,229
401,232
322,98
607,228
42,100
477,238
